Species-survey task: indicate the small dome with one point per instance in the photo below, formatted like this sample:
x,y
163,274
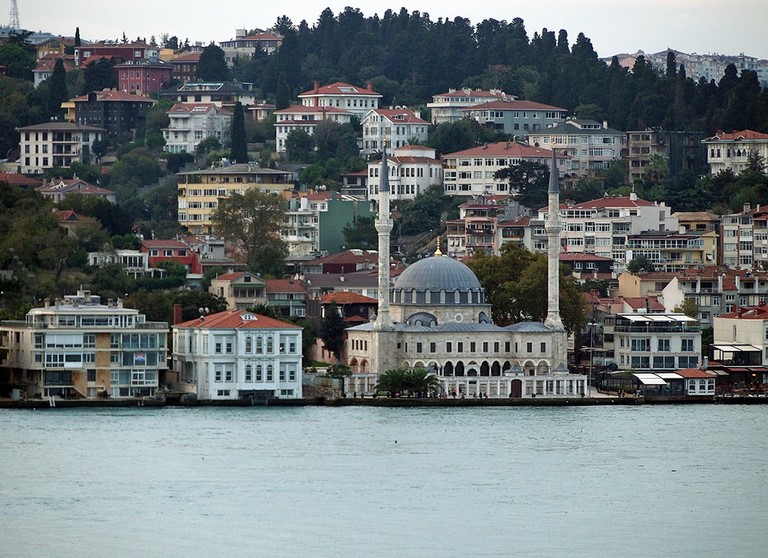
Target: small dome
x,y
438,273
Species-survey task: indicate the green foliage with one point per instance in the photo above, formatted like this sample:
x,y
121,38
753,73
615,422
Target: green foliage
x,y
239,147
212,65
453,136
516,287
211,143
299,146
57,89
157,305
423,213
176,161
338,371
640,264
529,181
688,307
100,74
361,233
400,382
19,60
252,222
332,330
112,217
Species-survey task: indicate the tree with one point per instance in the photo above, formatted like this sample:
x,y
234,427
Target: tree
x,y
57,88
212,65
450,137
688,307
332,330
252,222
361,233
516,287
100,74
18,60
639,264
529,181
239,146
299,146
404,381
77,37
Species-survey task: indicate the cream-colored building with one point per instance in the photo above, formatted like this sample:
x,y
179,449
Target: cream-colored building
x,y
731,150
55,144
397,126
78,347
191,123
412,169
448,107
305,119
340,95
201,190
241,289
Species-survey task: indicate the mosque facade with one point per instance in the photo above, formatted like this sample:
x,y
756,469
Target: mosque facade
x,y
436,317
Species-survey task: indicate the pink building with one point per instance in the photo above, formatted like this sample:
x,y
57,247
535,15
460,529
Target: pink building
x,y
145,77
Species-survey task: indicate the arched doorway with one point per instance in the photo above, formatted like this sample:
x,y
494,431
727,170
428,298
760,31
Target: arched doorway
x,y
517,388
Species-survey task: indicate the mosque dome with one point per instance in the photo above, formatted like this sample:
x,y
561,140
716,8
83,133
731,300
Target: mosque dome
x,y
436,275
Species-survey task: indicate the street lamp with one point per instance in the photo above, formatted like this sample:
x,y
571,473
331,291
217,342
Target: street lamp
x,y
591,326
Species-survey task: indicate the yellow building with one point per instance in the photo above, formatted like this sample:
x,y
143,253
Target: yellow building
x,y
200,191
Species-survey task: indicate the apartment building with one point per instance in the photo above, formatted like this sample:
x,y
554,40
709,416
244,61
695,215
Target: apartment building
x,y
412,169
732,150
350,98
78,347
199,191
448,107
118,112
674,251
191,123
592,146
241,289
656,342
55,144
682,151
471,172
516,117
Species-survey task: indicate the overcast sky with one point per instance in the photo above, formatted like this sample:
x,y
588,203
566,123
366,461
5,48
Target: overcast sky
x,y
614,26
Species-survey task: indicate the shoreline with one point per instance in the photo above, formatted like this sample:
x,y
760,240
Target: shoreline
x,y
380,402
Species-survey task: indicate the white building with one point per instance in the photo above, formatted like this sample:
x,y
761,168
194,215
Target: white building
x,y
439,320
650,342
305,118
236,354
732,150
246,46
78,347
447,107
591,145
55,144
191,123
399,126
412,169
471,172
344,96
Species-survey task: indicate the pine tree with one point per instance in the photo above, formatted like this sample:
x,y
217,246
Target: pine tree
x,y
77,37
212,65
239,150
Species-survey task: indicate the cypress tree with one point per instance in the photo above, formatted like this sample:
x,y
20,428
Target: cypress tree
x,y
77,36
57,88
239,149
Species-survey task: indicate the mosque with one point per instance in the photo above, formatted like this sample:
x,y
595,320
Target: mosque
x,y
436,317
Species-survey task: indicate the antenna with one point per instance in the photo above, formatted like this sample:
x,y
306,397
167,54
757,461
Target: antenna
x,y
14,16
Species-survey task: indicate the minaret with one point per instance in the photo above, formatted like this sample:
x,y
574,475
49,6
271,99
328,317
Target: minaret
x,y
553,227
384,228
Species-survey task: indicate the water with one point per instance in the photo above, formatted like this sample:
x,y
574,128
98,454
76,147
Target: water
x,y
325,482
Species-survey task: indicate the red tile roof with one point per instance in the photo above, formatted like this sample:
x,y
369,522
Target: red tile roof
x,y
115,95
692,373
754,313
237,319
403,116
19,179
285,286
170,243
644,302
582,256
737,135
340,88
473,93
604,203
300,109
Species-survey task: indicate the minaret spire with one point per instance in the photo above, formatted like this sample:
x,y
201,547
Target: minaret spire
x,y
553,227
384,228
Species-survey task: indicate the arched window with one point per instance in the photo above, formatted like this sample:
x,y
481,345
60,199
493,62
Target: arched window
x,y
457,296
248,344
259,345
270,346
248,373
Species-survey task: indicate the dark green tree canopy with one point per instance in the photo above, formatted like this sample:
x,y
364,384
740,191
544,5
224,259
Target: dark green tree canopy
x,y
212,65
239,144
528,182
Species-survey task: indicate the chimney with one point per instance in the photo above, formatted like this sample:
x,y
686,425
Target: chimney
x,y
605,124
747,207
316,86
369,86
177,318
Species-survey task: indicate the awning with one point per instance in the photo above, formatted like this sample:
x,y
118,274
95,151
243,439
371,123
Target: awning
x,y
669,375
736,348
650,379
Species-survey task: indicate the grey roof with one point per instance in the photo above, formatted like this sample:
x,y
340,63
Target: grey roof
x,y
441,328
528,327
63,126
238,168
437,273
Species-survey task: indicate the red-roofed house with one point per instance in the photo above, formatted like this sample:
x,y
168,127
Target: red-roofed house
x,y
399,126
184,66
175,251
287,296
16,179
118,112
731,150
412,169
348,261
351,306
447,107
342,96
584,266
44,66
237,354
515,116
114,51
241,289
471,172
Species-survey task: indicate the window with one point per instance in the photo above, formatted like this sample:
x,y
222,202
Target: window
x,y
448,347
687,344
663,345
248,373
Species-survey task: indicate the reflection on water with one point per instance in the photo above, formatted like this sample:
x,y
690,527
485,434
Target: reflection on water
x,y
581,481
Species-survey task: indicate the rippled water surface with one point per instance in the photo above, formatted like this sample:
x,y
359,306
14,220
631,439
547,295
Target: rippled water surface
x,y
650,481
